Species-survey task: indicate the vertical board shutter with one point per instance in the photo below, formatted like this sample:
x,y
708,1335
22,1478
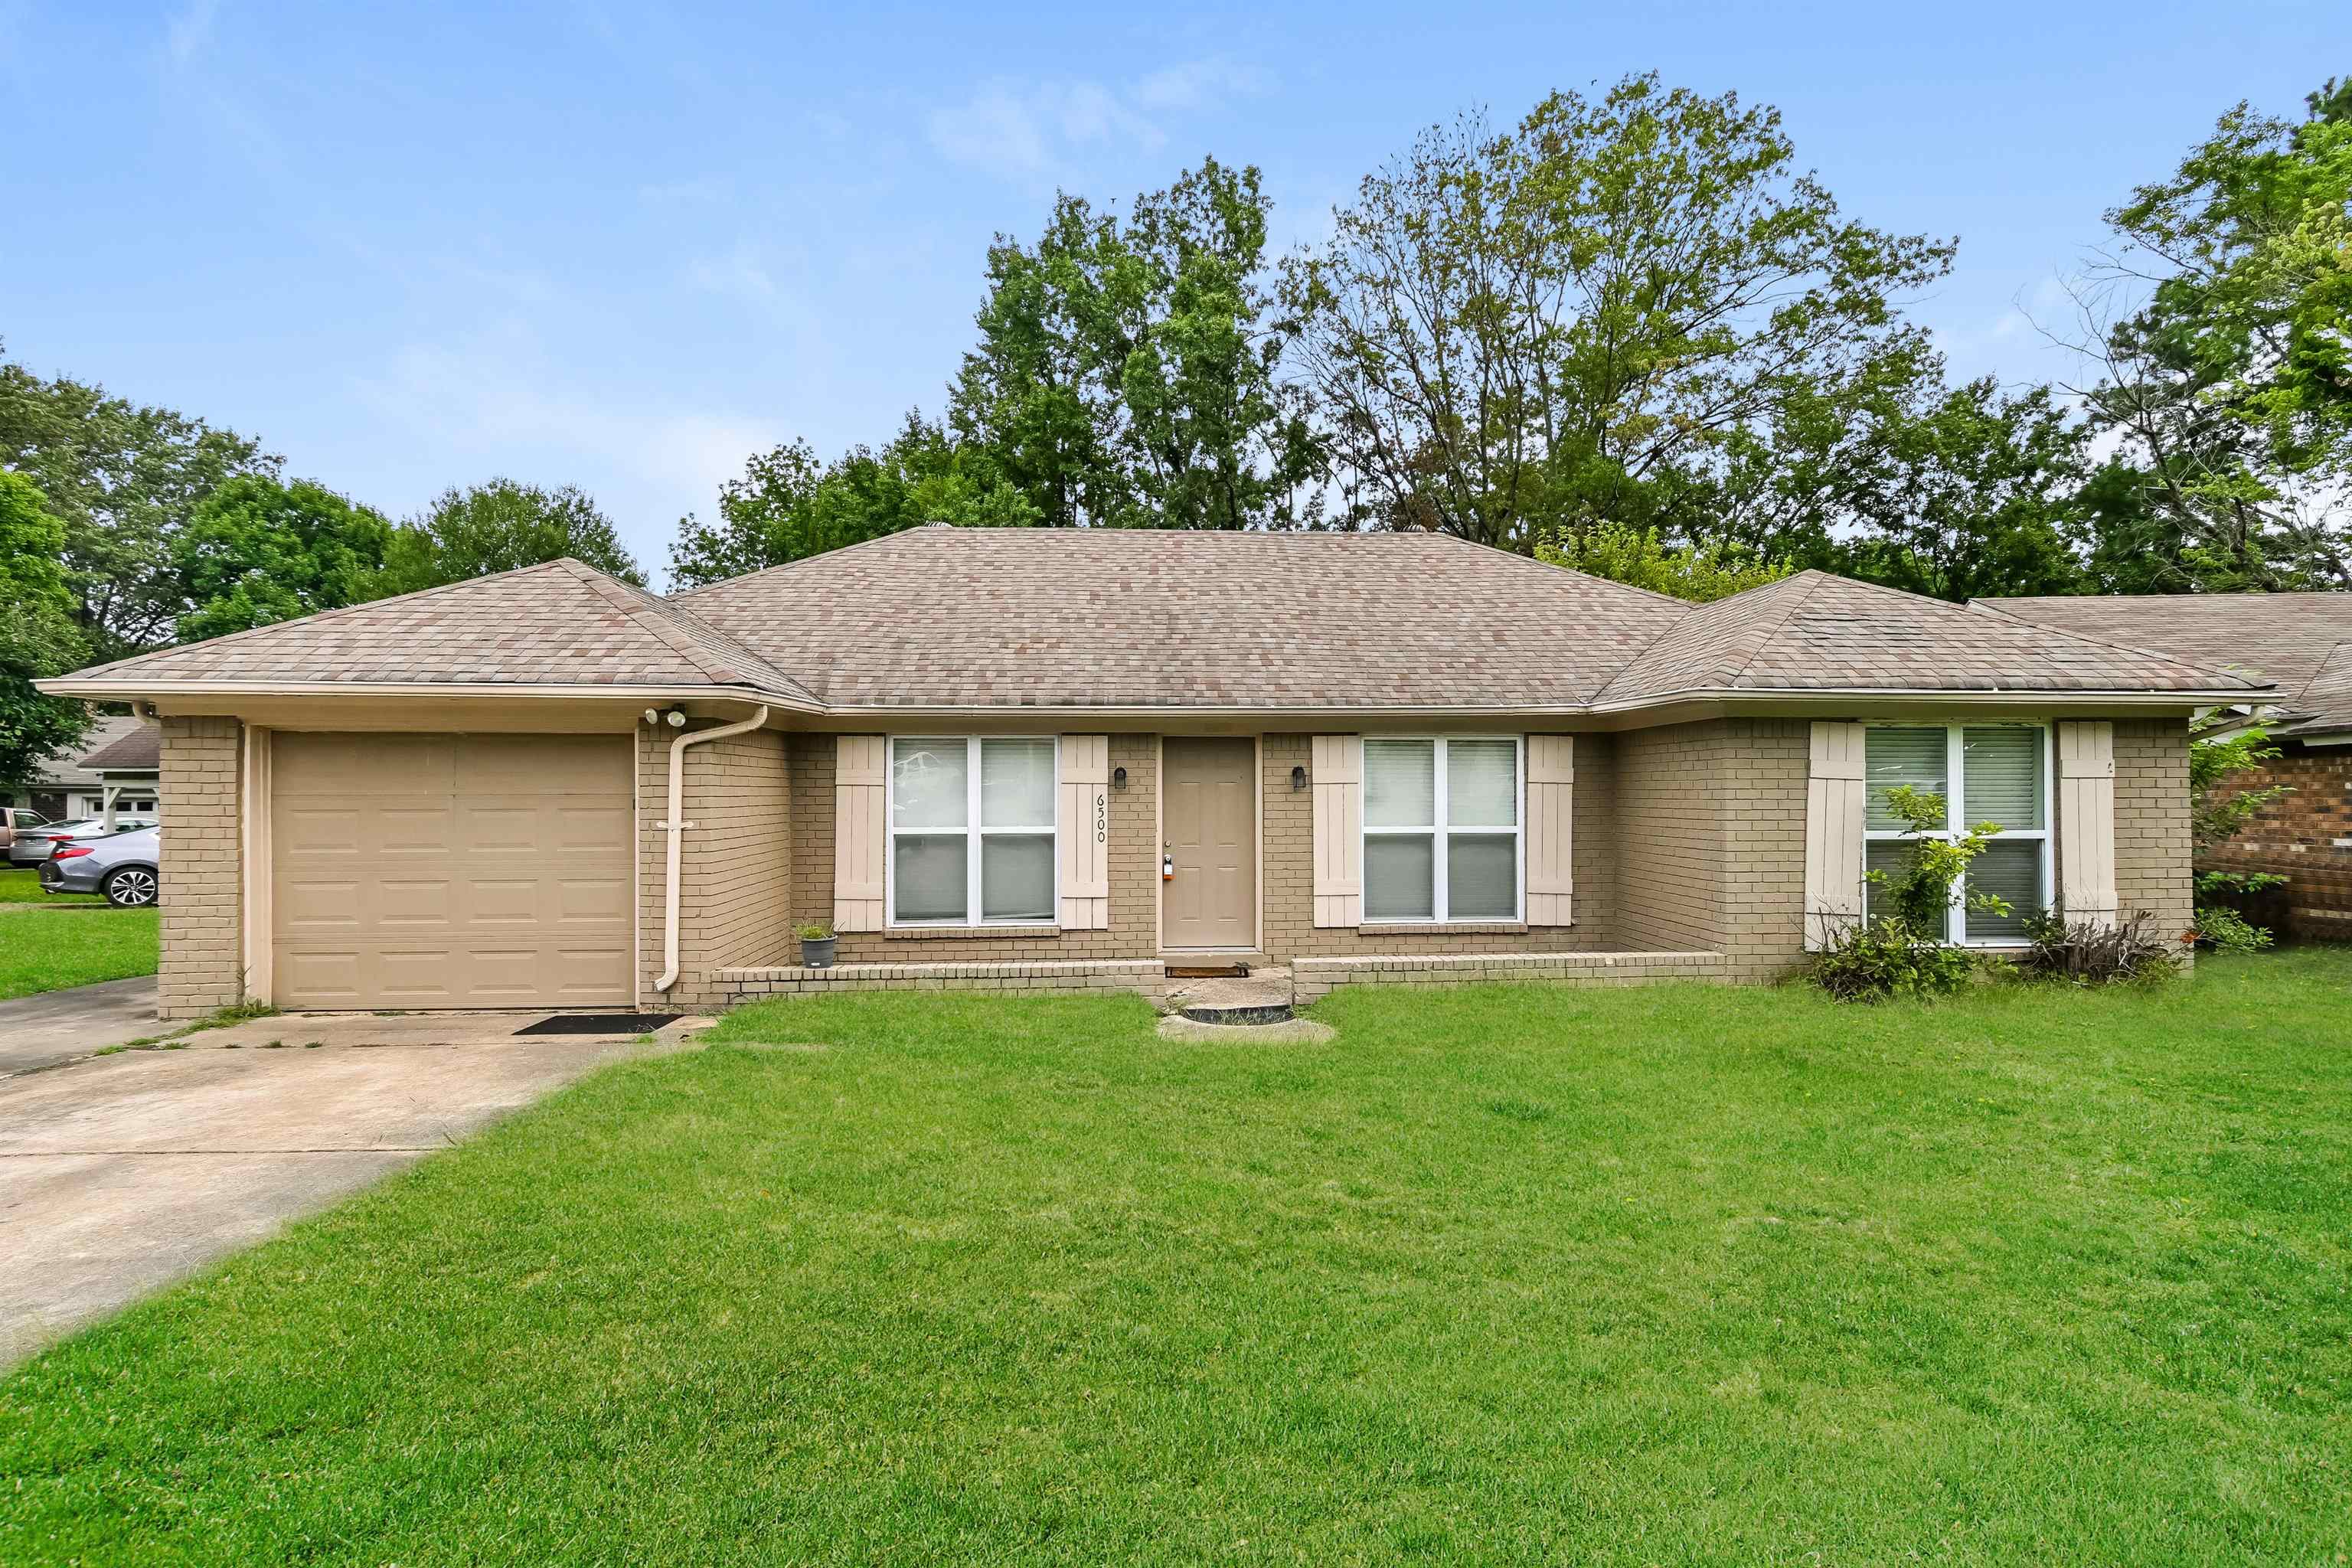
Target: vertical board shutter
x,y
1086,833
1339,772
2087,819
1551,816
1835,806
861,831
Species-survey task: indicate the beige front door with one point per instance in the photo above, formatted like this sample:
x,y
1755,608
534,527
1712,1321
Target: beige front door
x,y
1209,817
451,871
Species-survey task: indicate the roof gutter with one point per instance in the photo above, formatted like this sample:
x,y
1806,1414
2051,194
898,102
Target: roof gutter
x,y
676,827
140,691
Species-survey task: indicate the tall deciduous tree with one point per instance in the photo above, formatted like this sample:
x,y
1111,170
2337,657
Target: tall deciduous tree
x,y
2219,342
502,526
258,551
38,635
1126,373
124,480
1571,320
788,504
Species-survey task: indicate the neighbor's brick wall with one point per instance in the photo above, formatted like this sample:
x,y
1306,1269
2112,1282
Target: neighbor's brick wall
x,y
1134,929
735,867
2153,851
2304,836
201,966
1290,931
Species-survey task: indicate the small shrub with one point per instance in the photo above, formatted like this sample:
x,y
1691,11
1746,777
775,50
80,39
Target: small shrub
x,y
816,932
2221,928
2086,953
1889,958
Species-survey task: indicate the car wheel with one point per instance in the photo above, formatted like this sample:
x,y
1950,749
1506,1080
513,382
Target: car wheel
x,y
131,887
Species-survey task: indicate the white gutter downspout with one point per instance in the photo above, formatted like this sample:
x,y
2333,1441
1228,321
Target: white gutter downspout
x,y
677,828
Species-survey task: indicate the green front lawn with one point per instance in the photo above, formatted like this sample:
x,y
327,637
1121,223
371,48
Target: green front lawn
x,y
1664,1275
48,950
21,885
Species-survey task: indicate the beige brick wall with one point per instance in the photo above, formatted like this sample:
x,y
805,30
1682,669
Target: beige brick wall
x,y
2152,844
735,872
201,962
1671,863
1714,840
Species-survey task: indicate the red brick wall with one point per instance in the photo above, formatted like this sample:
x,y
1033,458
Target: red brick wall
x,y
2304,836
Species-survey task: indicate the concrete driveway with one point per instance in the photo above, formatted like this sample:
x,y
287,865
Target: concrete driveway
x,y
59,1025
121,1174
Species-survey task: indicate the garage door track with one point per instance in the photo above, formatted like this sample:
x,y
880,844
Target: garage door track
x,y
123,1173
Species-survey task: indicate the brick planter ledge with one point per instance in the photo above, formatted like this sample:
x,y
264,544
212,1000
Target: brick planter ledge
x,y
1143,976
1314,978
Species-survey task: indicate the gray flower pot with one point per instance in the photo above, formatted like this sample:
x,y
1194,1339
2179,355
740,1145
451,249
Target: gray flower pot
x,y
818,953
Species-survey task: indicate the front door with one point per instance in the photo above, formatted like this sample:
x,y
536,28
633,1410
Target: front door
x,y
1209,817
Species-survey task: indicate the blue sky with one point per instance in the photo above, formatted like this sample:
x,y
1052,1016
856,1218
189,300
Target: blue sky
x,y
625,246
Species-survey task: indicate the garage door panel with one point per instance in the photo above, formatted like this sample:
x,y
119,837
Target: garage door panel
x,y
316,830
361,764
407,904
509,883
325,977
318,906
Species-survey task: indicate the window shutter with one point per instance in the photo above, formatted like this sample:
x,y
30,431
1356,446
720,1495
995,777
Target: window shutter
x,y
1834,810
1086,833
1550,828
2087,819
1338,773
861,831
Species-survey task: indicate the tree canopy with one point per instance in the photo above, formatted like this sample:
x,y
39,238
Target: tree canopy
x,y
124,480
502,525
38,634
258,551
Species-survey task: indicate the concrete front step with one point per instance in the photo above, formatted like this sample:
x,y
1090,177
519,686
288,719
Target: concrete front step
x,y
1263,996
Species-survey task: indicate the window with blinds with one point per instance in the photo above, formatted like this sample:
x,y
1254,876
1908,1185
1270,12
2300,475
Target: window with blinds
x,y
1996,773
1442,828
971,831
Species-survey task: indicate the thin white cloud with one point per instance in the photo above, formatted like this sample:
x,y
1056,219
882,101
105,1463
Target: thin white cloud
x,y
187,34
1026,131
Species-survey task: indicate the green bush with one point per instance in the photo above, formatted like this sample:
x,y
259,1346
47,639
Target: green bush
x,y
1889,958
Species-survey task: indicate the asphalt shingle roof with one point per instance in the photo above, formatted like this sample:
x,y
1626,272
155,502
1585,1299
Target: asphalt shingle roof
x,y
949,617
133,750
1815,631
2296,641
560,624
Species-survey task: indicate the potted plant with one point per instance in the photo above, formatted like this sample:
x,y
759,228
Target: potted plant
x,y
817,942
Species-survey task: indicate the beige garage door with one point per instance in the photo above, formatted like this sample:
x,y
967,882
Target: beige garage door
x,y
450,871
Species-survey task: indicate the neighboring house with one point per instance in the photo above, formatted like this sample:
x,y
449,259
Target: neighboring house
x,y
2302,645
1030,759
71,786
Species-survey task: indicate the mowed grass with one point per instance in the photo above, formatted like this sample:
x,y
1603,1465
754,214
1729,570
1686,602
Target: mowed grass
x,y
1653,1276
21,885
48,950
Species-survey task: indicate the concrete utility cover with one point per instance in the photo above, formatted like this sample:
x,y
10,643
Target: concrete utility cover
x,y
123,1173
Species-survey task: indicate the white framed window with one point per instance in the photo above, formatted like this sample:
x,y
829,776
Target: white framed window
x,y
1986,773
1442,828
973,830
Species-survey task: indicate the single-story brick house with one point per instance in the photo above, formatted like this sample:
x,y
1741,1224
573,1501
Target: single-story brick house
x,y
1037,758
2302,645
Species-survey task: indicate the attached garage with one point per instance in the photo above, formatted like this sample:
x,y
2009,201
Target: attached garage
x,y
464,870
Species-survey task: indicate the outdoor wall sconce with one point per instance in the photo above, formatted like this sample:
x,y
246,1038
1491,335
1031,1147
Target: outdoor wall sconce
x,y
1298,778
1118,778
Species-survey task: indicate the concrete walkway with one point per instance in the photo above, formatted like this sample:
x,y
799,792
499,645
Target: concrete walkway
x,y
124,1173
59,1025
